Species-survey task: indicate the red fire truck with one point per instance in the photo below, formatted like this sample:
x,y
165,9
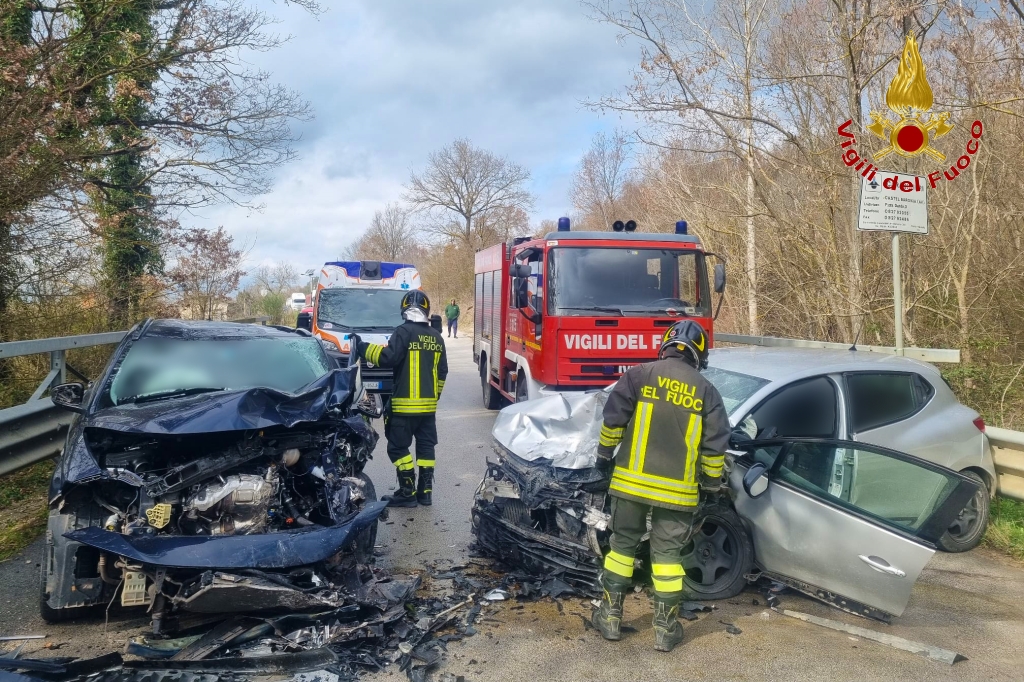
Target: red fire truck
x,y
574,310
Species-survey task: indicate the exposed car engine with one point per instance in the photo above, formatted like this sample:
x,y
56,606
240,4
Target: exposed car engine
x,y
228,483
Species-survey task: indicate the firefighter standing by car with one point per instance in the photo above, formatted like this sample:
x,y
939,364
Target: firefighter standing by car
x,y
673,430
416,353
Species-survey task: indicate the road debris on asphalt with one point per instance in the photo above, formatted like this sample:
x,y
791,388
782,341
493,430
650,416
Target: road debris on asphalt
x,y
374,620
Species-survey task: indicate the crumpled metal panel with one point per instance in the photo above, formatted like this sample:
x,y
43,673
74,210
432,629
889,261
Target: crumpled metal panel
x,y
285,549
563,428
254,408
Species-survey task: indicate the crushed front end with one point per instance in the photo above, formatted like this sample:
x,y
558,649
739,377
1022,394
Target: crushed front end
x,y
171,513
547,520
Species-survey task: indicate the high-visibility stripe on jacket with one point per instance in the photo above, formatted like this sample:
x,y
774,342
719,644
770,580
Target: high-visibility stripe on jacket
x,y
671,427
417,355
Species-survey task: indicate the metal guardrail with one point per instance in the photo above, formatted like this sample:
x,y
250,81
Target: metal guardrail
x,y
951,355
35,431
1008,454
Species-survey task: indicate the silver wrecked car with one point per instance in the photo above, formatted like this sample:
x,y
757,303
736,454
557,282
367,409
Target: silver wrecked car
x,y
866,397
849,523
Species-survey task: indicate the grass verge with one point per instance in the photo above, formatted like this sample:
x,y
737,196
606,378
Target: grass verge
x,y
1006,527
23,507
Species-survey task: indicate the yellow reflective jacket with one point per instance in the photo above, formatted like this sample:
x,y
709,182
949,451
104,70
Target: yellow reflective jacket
x,y
671,426
416,352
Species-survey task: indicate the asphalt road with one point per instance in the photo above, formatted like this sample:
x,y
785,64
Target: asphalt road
x,y
971,603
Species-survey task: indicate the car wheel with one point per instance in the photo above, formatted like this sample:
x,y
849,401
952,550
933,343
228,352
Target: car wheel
x,y
51,615
57,524
718,556
492,399
367,540
968,528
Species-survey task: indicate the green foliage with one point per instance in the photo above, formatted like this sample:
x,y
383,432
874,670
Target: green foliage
x,y
273,306
1006,528
23,507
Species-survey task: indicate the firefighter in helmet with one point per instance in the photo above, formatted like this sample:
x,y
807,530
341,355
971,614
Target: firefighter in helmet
x,y
673,430
416,353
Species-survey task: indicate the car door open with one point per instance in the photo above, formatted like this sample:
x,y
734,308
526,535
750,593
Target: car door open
x,y
848,523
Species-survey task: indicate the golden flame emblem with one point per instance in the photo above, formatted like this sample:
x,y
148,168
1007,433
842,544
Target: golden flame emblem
x,y
910,97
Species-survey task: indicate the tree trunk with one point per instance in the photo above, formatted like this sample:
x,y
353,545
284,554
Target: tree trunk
x,y
751,237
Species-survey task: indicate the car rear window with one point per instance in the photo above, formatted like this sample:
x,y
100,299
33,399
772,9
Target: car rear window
x,y
882,398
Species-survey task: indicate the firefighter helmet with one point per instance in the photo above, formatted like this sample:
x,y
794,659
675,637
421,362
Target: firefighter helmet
x,y
688,337
418,300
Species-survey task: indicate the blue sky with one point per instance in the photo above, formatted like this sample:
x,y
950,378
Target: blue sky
x,y
392,80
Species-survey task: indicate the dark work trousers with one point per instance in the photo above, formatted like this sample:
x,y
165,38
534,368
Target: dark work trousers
x,y
453,326
400,429
670,531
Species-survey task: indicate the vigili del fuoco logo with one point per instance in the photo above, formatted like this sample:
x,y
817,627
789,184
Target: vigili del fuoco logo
x,y
915,129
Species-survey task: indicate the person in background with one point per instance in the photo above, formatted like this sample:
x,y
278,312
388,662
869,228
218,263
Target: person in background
x,y
451,311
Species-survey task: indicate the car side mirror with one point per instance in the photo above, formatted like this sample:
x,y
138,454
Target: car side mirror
x,y
755,481
69,396
522,293
719,278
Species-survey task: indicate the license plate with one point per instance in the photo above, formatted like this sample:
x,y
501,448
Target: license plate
x,y
371,384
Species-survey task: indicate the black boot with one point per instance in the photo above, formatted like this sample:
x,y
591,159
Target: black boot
x,y
607,617
405,496
668,631
425,487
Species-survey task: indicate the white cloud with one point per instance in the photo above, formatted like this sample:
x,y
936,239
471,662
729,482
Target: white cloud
x,y
392,80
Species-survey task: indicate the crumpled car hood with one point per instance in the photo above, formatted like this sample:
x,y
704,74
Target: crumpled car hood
x,y
253,408
563,428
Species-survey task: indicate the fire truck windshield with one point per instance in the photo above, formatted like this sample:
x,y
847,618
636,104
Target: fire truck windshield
x,y
626,281
360,309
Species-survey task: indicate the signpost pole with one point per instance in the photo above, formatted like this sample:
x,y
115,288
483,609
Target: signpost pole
x,y
897,292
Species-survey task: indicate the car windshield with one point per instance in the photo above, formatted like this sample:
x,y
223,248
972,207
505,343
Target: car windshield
x,y
360,309
735,388
624,281
158,367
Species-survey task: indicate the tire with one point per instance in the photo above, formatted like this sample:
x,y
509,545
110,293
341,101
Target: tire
x,y
65,522
51,615
719,555
968,529
491,396
367,540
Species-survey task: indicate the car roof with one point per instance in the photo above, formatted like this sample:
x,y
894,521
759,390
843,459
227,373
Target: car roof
x,y
787,364
212,330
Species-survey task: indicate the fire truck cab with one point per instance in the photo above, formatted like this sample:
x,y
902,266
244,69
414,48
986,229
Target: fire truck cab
x,y
573,310
364,298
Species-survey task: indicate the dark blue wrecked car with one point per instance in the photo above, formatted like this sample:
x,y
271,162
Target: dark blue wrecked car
x,y
213,467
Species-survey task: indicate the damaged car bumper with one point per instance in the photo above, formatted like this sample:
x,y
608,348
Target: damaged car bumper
x,y
286,549
546,520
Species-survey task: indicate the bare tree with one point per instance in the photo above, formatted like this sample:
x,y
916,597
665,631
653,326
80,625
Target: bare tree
x,y
599,181
391,237
462,183
207,271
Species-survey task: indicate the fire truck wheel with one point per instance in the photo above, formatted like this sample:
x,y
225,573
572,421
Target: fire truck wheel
x,y
492,399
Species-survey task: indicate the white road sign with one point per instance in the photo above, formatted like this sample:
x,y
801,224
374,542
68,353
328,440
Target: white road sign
x,y
893,202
